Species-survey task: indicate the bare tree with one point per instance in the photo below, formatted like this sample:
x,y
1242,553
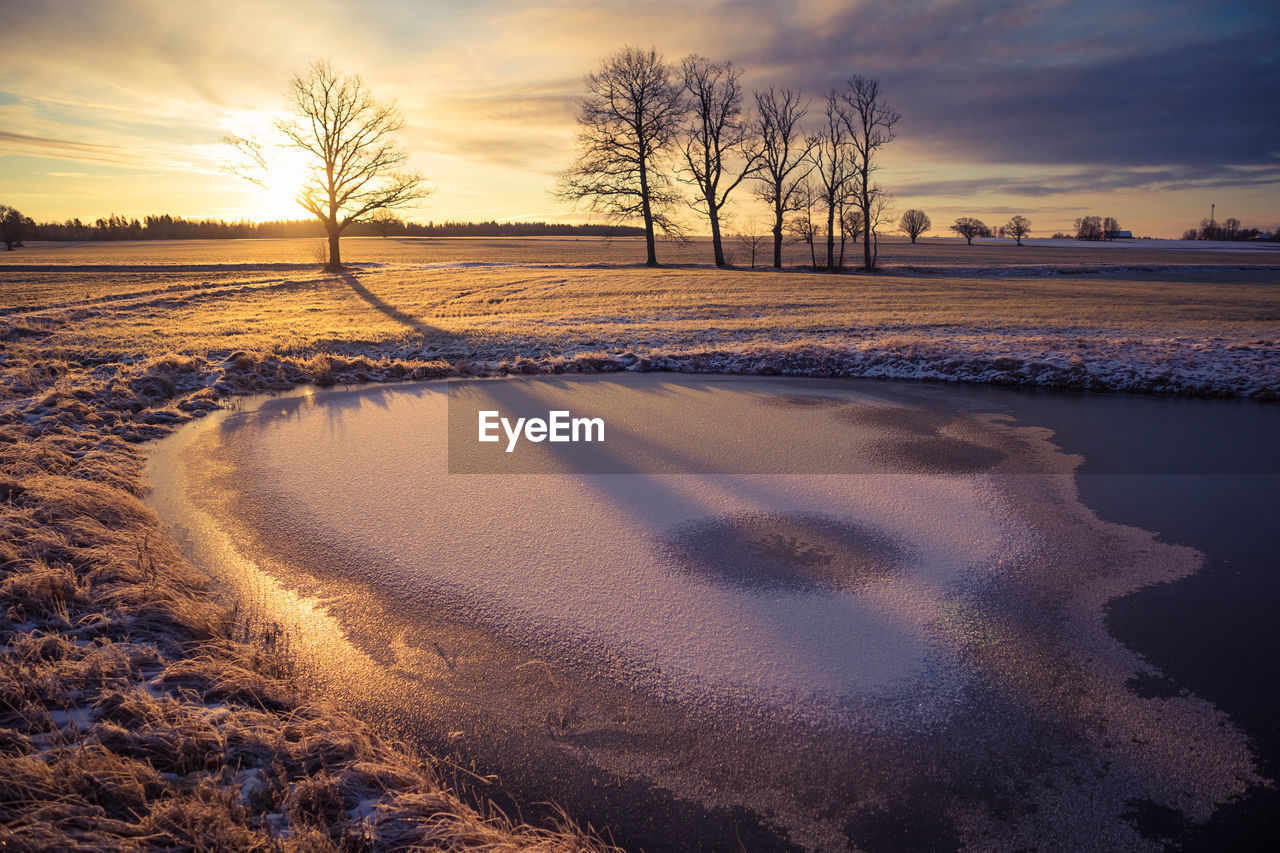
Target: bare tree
x,y
627,126
801,226
717,138
355,167
832,158
871,126
850,225
1017,228
386,221
1110,226
914,223
752,241
784,156
881,216
968,228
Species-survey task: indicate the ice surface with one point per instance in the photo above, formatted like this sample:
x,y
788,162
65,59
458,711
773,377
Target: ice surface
x,y
584,561
925,631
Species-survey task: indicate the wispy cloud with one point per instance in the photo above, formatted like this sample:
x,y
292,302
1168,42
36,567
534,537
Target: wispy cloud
x,y
66,149
1096,181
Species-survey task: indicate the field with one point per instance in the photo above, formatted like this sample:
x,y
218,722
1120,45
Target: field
x,y
136,710
1179,320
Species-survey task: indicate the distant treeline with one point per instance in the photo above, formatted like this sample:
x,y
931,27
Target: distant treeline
x,y
1230,230
166,227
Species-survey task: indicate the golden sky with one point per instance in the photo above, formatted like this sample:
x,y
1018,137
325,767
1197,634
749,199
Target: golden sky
x,y
1148,111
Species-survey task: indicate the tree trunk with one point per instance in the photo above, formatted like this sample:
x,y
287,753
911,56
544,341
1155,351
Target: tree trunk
x,y
716,246
651,254
868,263
335,256
777,236
831,237
650,248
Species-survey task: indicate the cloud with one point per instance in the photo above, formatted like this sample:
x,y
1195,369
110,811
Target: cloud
x,y
521,152
68,148
1118,84
1096,181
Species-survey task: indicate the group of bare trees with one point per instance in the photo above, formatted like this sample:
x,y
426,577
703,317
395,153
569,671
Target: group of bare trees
x,y
969,227
1230,230
840,180
646,126
1096,228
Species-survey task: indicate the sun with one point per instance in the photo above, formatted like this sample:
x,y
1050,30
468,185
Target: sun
x,y
287,173
274,193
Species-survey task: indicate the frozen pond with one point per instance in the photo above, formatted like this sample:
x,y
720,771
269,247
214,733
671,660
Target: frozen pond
x,y
808,612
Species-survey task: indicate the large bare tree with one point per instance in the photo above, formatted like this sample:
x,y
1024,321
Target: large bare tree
x,y
914,223
627,127
719,149
784,156
871,126
354,168
832,157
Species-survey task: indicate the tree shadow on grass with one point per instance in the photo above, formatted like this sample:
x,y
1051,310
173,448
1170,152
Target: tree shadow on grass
x,y
394,313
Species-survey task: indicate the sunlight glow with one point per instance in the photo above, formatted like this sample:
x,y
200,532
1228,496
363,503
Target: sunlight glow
x,y
285,179
286,174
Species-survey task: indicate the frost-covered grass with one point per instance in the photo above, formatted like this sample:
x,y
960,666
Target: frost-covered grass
x,y
134,709
1174,324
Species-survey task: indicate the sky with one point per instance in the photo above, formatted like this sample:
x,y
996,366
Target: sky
x,y
1147,111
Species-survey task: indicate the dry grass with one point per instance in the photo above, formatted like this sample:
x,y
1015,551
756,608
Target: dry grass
x,y
134,715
